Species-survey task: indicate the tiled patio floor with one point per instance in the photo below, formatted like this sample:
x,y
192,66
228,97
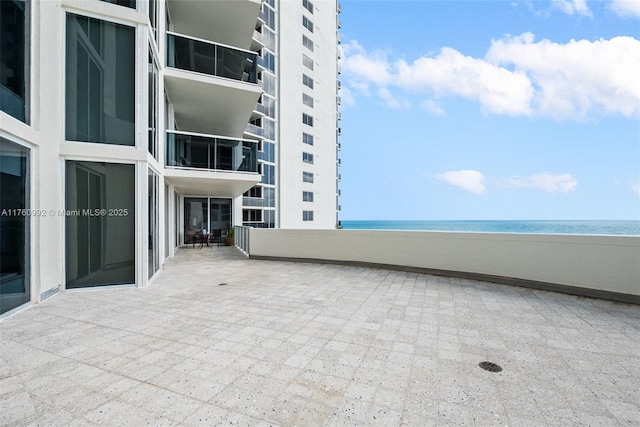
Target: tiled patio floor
x,y
306,344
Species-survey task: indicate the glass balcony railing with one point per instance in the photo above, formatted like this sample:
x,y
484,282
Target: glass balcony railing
x,y
204,57
254,130
195,151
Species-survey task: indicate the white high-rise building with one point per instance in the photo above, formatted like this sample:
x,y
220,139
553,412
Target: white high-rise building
x,y
128,128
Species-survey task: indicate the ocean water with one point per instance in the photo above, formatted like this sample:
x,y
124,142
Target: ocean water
x,y
619,228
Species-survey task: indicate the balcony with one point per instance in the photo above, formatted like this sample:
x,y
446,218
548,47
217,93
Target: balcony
x,y
253,130
226,22
212,87
211,165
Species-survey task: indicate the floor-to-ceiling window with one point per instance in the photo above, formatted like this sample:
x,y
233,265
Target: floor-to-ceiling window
x,y
206,214
196,217
14,49
14,226
167,228
154,254
100,224
100,81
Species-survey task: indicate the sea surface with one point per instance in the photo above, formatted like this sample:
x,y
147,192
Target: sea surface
x,y
619,228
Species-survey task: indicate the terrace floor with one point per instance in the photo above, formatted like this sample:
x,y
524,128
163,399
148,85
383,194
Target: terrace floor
x,y
316,344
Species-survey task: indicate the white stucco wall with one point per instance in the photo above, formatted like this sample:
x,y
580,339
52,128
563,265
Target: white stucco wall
x,y
609,263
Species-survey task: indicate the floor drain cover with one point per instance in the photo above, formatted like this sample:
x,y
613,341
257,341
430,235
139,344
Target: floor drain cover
x,y
491,367
222,284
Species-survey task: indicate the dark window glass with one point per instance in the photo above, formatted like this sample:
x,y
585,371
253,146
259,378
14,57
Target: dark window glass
x,y
307,196
307,139
100,224
307,81
307,100
13,54
306,22
307,42
14,226
307,177
307,119
307,5
100,81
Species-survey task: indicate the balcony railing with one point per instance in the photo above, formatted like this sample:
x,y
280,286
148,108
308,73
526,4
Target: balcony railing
x,y
200,56
197,151
254,130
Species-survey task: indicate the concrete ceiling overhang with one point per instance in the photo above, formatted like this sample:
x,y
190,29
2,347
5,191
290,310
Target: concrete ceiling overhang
x,y
229,22
211,105
210,183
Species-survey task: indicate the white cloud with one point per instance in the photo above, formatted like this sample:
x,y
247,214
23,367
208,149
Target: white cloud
x,y
450,73
346,97
365,67
576,79
391,101
551,183
432,107
573,7
626,8
518,76
469,180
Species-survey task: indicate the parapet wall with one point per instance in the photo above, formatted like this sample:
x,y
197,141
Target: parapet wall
x,y
599,266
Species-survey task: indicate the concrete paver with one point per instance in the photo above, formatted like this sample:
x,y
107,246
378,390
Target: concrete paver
x,y
285,343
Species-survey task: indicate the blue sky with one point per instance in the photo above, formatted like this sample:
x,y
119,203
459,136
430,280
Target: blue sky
x,y
490,110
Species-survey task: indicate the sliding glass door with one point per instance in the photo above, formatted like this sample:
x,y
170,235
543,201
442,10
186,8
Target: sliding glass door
x,y
100,224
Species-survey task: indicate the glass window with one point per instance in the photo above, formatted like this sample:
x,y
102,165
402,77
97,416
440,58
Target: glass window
x,y
307,177
307,62
307,42
269,61
268,174
307,5
307,100
307,139
15,286
153,104
307,215
307,157
306,22
154,250
100,233
307,196
251,215
14,51
100,81
269,83
196,218
307,81
307,119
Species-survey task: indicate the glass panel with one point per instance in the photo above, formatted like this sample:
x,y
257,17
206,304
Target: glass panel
x,y
14,226
154,251
220,214
190,151
209,58
196,214
13,51
153,104
167,230
100,224
100,81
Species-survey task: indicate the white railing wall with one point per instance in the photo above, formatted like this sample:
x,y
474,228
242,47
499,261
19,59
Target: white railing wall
x,y
241,238
604,264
